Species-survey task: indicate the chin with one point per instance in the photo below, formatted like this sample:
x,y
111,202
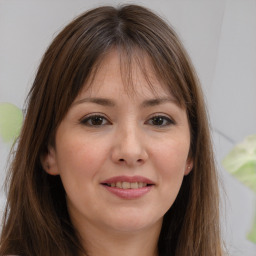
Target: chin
x,y
133,223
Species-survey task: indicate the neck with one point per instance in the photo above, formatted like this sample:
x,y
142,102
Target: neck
x,y
105,243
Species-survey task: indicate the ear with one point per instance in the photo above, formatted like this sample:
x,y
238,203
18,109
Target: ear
x,y
49,161
189,166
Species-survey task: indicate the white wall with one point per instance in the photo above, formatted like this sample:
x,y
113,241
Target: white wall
x,y
221,39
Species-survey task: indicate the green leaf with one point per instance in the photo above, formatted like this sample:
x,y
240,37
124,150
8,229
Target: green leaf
x,y
252,234
241,162
10,121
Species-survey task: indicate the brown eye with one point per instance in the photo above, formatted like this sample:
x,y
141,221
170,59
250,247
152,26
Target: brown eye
x,y
95,120
160,121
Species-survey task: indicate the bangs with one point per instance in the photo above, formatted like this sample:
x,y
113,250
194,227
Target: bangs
x,y
134,61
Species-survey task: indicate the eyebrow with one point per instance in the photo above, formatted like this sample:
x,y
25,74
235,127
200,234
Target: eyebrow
x,y
99,101
110,103
158,101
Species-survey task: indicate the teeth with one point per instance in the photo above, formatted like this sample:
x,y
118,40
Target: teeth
x,y
119,184
134,185
128,185
140,185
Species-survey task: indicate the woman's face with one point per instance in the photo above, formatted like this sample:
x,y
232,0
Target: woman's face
x,y
121,157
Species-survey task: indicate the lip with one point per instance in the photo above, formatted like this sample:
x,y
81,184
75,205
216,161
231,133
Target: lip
x,y
132,193
128,179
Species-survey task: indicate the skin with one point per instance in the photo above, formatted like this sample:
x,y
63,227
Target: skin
x,y
126,141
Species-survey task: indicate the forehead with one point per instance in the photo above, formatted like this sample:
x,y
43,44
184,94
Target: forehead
x,y
119,73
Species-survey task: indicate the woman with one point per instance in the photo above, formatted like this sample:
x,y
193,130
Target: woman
x,y
115,153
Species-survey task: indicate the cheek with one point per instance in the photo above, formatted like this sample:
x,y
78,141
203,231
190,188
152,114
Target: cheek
x,y
171,156
79,163
79,158
170,162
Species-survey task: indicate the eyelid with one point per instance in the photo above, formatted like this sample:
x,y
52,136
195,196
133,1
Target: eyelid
x,y
170,121
165,116
85,118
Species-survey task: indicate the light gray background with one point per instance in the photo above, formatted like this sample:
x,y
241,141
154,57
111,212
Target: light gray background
x,y
220,37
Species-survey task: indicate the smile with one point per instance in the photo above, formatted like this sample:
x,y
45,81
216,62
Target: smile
x,y
126,187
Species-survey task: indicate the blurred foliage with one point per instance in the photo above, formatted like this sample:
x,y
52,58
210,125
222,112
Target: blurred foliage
x,y
241,163
11,119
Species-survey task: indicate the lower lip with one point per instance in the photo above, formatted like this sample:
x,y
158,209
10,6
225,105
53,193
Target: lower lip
x,y
129,193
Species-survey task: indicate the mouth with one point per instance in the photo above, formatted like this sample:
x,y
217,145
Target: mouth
x,y
127,185
128,182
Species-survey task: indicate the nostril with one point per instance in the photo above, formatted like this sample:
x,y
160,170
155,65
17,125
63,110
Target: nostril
x,y
122,160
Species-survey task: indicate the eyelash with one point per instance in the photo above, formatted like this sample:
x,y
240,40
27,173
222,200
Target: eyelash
x,y
168,121
88,120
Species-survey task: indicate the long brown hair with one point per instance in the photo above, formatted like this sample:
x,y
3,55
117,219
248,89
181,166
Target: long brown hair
x,y
36,219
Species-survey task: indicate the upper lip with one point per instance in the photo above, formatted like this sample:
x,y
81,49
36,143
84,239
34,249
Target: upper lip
x,y
130,179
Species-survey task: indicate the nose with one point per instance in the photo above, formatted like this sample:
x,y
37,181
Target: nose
x,y
129,147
